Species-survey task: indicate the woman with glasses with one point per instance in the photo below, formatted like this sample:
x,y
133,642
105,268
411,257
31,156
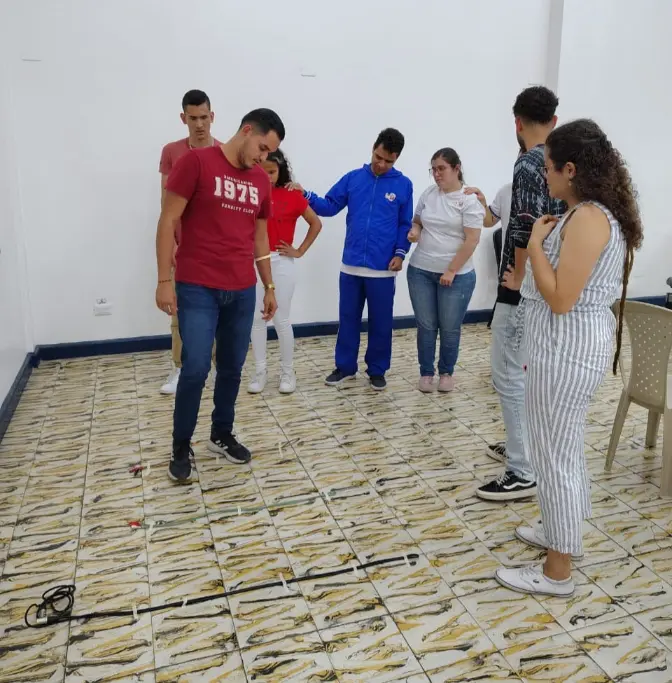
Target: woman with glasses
x,y
441,276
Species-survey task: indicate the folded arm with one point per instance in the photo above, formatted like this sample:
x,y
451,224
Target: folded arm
x,y
586,234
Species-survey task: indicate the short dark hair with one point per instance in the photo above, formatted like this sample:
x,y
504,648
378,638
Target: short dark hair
x,y
284,169
195,98
265,121
536,105
451,157
391,140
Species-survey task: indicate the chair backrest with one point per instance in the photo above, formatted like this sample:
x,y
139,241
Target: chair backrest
x,y
650,332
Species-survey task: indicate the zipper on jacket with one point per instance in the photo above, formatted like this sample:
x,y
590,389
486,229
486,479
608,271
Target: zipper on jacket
x,y
368,223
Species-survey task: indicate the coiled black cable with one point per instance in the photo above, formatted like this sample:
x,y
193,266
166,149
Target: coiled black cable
x,y
57,602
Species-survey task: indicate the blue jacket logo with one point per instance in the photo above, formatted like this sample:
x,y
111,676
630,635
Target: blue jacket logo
x,y
390,196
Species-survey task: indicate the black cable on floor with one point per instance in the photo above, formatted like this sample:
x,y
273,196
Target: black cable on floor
x,y
60,600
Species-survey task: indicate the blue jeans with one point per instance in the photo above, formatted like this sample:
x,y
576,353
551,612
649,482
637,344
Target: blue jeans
x,y
378,293
206,315
438,308
508,377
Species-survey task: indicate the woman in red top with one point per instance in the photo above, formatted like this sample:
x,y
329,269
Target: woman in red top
x,y
288,205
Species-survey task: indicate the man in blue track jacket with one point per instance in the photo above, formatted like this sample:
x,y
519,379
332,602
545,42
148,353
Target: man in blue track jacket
x,y
379,200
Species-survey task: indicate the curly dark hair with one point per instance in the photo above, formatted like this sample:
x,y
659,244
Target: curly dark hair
x,y
601,176
536,105
284,169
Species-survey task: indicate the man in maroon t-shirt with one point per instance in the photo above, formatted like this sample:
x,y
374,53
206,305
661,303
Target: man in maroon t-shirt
x,y
223,198
198,117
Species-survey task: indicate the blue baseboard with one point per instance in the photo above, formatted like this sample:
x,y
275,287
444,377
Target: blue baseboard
x,y
14,395
162,343
107,347
104,347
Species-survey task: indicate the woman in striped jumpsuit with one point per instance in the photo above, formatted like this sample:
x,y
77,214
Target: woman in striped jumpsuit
x,y
576,268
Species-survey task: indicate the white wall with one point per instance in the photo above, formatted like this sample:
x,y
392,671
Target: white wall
x,y
15,337
97,89
615,67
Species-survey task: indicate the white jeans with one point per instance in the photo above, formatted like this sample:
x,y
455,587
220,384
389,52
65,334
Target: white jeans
x,y
283,270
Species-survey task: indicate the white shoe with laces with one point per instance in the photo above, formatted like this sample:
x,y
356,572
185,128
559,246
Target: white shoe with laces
x,y
534,536
287,382
531,580
170,387
258,383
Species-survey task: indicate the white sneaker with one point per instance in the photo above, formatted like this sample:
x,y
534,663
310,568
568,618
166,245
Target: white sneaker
x,y
170,387
531,580
287,382
536,537
258,383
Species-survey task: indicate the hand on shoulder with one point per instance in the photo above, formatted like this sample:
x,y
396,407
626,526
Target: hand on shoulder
x,y
474,191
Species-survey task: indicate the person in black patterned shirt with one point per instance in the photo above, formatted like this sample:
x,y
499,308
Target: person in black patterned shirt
x,y
534,112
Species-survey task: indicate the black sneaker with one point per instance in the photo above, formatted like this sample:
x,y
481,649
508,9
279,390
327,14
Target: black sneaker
x,y
337,377
378,382
508,486
497,451
180,463
227,445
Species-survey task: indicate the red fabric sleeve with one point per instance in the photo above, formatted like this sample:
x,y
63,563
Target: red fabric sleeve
x,y
166,163
184,176
266,208
301,203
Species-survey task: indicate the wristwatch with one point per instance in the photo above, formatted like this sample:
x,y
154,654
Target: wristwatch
x,y
270,286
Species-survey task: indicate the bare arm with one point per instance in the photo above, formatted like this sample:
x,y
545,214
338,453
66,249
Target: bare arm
x,y
164,180
472,237
586,235
171,212
262,251
314,229
172,208
490,219
262,257
416,229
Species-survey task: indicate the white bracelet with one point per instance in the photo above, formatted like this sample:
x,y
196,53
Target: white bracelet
x,y
262,258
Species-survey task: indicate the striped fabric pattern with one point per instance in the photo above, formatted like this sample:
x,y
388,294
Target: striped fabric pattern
x,y
568,356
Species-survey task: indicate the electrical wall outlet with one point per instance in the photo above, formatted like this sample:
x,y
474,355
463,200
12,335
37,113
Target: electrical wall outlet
x,y
102,307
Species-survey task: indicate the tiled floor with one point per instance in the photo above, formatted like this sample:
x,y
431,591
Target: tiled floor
x,y
372,476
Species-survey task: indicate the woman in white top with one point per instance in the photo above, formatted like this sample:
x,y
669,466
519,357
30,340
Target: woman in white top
x,y
441,277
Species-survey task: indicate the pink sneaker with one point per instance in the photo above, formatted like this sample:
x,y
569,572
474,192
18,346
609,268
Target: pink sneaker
x,y
426,385
446,383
